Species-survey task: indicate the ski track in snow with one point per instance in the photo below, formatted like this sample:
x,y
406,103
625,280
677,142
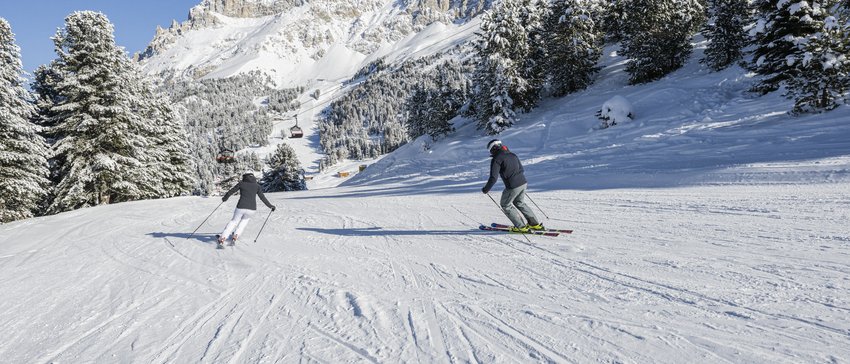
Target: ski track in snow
x,y
698,274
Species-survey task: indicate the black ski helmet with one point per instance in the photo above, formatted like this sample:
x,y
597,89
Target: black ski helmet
x,y
493,145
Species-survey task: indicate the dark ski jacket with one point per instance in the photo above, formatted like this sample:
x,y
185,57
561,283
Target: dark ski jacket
x,y
248,189
508,166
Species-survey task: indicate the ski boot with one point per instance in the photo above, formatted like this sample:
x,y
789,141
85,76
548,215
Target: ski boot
x,y
219,243
519,229
538,227
233,240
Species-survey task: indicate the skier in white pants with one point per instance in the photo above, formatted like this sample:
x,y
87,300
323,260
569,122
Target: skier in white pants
x,y
248,189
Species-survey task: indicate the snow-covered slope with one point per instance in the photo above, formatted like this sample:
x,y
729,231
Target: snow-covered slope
x,y
741,274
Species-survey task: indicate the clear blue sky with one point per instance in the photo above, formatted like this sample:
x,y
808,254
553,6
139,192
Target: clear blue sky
x,y
35,21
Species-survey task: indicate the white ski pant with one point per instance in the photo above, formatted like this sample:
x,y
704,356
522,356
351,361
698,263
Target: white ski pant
x,y
239,221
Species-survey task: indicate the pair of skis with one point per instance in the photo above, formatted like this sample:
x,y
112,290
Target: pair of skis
x,y
507,228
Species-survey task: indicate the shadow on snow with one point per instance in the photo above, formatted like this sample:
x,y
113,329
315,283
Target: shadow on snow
x,y
377,231
204,238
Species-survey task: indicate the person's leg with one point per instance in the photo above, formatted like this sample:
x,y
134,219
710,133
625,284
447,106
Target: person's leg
x,y
523,207
237,215
246,216
507,203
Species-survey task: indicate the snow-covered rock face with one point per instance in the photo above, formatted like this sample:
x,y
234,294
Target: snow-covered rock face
x,y
248,8
291,38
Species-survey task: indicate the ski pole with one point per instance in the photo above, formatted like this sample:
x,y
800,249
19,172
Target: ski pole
x,y
205,220
494,201
264,226
538,206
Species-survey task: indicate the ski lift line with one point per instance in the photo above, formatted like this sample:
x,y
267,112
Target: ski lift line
x,y
327,102
323,104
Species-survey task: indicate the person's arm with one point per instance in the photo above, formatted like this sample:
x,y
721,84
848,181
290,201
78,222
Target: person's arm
x,y
265,201
494,176
231,192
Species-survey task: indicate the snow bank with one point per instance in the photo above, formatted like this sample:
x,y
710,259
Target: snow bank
x,y
616,110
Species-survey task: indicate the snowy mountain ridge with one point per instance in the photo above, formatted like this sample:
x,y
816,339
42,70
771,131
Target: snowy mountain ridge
x,y
299,43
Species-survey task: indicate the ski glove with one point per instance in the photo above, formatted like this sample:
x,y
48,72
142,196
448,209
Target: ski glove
x,y
274,208
223,198
484,190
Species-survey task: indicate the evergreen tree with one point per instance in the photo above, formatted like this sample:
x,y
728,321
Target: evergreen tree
x,y
44,87
497,75
431,108
108,134
532,14
657,34
779,36
23,167
726,34
823,73
419,111
285,172
575,45
613,19
167,162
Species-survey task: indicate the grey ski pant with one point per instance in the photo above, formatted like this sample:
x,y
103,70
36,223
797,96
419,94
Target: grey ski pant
x,y
513,203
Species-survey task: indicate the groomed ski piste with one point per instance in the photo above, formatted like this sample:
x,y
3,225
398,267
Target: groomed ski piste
x,y
712,229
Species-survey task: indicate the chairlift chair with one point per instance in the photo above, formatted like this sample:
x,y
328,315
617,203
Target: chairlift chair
x,y
295,131
226,156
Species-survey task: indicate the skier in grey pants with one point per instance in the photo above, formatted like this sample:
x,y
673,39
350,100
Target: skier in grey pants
x,y
248,189
507,165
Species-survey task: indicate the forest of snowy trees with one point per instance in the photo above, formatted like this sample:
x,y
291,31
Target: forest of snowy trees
x,y
94,132
527,49
374,117
223,115
796,44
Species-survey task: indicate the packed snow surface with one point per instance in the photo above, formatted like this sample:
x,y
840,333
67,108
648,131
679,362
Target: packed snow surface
x,y
749,273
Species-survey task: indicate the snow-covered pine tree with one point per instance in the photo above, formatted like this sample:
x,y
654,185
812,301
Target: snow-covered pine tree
x,y
167,162
23,166
44,87
101,136
842,10
497,76
823,74
613,17
447,102
430,108
285,172
657,36
575,45
532,16
725,32
419,111
778,36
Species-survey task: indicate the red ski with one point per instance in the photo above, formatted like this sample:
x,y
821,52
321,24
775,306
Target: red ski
x,y
500,226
